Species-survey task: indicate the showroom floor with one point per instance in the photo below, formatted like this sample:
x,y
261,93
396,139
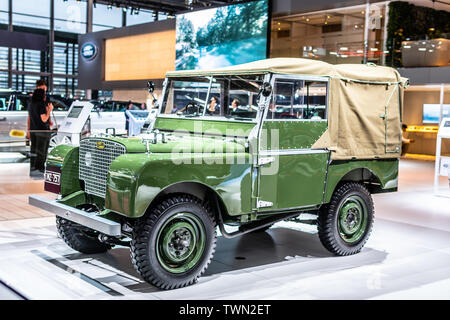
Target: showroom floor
x,y
407,256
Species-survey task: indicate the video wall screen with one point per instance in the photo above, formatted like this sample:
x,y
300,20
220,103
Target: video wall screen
x,y
223,36
431,112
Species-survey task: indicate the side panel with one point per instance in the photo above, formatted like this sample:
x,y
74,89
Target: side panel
x,y
299,181
134,180
386,170
297,176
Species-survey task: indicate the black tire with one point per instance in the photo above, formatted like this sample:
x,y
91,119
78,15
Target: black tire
x,y
333,232
149,252
80,238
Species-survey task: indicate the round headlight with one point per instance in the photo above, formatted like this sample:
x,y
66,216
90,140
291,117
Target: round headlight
x,y
88,159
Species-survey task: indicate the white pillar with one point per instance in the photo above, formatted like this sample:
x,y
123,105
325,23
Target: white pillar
x,y
441,102
386,15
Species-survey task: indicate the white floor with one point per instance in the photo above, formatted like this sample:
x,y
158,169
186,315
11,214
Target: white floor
x,y
407,257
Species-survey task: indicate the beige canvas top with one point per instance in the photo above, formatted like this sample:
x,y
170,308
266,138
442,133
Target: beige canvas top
x,y
300,66
364,107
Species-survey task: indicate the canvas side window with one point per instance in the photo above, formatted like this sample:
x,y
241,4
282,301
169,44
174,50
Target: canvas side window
x,y
298,100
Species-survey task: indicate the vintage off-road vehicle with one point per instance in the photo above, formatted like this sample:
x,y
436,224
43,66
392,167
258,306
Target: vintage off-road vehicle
x,y
244,146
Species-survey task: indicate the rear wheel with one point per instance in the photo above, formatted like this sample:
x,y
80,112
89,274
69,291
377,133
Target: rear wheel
x,y
80,238
345,224
172,246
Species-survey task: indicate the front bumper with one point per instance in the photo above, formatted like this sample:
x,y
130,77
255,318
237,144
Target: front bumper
x,y
87,219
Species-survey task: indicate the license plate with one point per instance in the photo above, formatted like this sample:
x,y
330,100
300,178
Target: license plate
x,y
52,179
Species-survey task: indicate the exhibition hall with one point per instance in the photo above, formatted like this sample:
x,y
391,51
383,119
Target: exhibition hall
x,y
245,150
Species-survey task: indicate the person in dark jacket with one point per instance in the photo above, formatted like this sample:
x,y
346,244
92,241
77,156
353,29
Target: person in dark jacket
x,y
39,115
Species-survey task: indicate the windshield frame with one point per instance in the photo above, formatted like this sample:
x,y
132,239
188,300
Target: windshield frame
x,y
210,79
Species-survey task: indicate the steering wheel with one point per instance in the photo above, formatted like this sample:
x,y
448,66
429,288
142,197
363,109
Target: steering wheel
x,y
193,108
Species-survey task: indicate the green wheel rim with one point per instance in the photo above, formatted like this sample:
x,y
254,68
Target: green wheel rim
x,y
180,242
352,219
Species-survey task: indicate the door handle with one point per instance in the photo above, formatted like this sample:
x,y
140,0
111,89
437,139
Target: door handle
x,y
3,119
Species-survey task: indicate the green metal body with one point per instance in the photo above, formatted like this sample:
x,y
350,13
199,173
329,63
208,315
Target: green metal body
x,y
206,155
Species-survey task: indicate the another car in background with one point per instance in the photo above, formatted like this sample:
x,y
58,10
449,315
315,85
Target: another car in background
x,y
14,116
110,114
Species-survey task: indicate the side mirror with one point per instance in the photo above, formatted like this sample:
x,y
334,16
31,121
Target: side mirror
x,y
266,89
150,86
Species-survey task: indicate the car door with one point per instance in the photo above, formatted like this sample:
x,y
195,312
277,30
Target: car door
x,y
15,117
291,173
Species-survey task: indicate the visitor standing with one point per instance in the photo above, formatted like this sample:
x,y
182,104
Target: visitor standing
x,y
39,113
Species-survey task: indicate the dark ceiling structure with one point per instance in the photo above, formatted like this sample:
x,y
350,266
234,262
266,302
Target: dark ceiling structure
x,y
168,6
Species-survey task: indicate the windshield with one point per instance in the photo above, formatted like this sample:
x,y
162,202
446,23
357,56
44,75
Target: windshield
x,y
230,97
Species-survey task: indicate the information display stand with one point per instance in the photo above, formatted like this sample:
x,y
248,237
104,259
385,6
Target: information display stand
x,y
72,126
442,164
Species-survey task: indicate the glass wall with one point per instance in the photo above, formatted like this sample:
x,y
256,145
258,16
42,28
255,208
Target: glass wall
x,y
70,19
106,17
3,58
3,68
65,58
70,16
65,69
335,36
3,11
24,83
141,16
36,16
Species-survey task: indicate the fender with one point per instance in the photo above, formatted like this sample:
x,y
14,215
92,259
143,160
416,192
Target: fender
x,y
135,180
66,157
382,174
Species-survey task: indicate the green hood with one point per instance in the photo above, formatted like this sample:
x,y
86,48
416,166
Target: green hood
x,y
185,144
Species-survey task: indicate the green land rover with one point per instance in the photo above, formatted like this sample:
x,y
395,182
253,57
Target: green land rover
x,y
238,148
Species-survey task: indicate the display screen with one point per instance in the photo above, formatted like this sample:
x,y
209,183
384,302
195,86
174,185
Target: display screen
x,y
222,36
75,112
431,112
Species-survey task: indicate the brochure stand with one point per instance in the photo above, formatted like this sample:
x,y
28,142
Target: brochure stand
x,y
442,164
72,126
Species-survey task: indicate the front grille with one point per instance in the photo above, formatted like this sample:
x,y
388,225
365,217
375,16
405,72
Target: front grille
x,y
94,168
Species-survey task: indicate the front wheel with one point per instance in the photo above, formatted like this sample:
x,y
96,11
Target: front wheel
x,y
172,246
80,238
344,225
